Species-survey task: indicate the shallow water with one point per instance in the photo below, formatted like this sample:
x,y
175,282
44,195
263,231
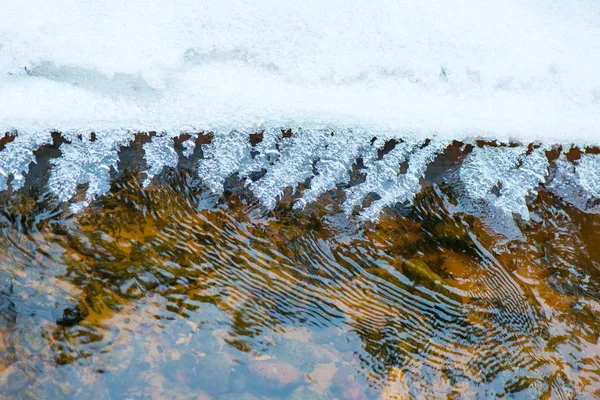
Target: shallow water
x,y
172,291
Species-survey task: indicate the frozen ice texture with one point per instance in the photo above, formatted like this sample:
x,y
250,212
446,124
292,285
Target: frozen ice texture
x,y
498,182
494,182
579,182
86,160
335,162
385,178
16,157
222,157
159,153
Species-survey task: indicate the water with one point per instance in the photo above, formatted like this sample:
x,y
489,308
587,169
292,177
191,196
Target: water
x,y
205,281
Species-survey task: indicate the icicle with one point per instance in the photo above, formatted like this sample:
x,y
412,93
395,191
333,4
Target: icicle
x,y
406,186
334,164
295,164
381,174
497,182
521,182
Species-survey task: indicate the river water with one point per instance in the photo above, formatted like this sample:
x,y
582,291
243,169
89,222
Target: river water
x,y
172,291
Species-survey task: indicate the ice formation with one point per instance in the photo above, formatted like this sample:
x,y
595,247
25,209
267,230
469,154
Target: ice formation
x,y
579,182
85,160
16,157
499,180
493,181
159,153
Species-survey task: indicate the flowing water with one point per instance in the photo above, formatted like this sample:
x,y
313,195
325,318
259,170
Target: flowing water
x,y
202,278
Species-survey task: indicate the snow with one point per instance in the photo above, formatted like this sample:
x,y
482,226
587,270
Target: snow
x,y
524,70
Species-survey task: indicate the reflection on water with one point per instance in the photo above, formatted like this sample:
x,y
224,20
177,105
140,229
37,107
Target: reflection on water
x,y
170,291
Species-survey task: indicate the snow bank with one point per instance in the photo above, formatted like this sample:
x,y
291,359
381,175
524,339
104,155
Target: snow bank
x,y
525,70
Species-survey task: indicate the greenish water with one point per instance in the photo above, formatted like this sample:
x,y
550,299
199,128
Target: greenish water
x,y
172,292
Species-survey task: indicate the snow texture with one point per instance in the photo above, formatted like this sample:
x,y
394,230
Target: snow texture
x,y
517,69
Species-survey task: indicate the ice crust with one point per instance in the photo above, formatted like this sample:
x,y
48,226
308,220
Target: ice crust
x,y
579,182
523,70
159,153
494,182
16,157
498,181
86,161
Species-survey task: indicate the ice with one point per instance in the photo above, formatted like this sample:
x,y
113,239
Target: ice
x,y
86,160
394,187
494,182
264,153
16,157
579,182
522,181
294,165
588,174
335,163
189,145
381,174
498,181
222,157
159,153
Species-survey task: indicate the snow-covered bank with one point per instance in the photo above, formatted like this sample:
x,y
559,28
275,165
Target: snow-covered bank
x,y
524,70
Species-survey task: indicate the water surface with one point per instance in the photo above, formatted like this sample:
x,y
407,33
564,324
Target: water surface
x,y
170,291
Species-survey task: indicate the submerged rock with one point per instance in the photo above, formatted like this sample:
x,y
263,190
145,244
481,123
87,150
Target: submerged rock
x,y
420,273
71,316
304,355
213,373
303,393
238,396
274,374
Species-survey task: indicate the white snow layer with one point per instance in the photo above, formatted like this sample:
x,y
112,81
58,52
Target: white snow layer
x,y
513,69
